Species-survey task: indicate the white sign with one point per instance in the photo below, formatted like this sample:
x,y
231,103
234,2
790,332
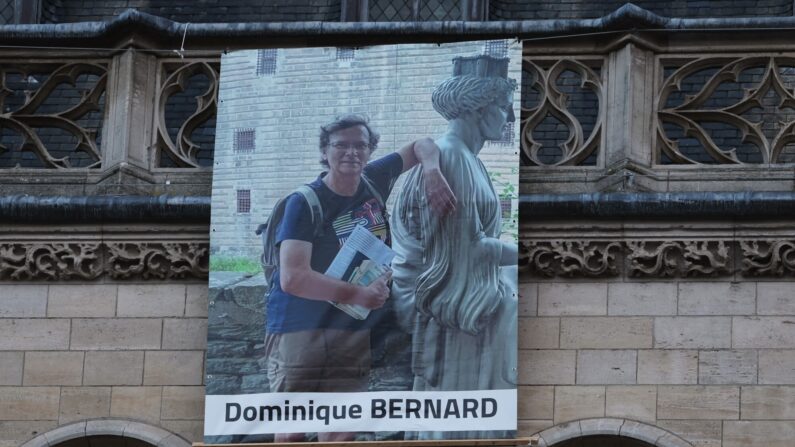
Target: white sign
x,y
360,412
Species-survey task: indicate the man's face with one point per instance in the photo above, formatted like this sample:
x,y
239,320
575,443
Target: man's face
x,y
495,115
348,151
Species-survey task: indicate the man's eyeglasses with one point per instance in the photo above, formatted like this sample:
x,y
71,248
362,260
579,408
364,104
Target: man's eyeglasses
x,y
358,147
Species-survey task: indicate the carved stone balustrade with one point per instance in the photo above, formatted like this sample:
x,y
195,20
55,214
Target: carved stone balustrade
x,y
127,121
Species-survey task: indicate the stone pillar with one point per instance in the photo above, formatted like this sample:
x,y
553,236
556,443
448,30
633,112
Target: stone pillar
x,y
475,10
131,105
630,100
354,11
27,11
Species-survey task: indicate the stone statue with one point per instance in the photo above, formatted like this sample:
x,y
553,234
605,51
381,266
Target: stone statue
x,y
454,279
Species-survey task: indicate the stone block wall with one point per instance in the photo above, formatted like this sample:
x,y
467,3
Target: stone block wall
x,y
709,360
73,352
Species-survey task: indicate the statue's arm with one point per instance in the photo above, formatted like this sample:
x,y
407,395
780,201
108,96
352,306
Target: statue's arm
x,y
426,153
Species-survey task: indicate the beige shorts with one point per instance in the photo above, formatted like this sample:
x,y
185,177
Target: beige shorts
x,y
318,360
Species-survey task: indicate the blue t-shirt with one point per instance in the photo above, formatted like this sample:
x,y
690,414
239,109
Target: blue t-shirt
x,y
289,313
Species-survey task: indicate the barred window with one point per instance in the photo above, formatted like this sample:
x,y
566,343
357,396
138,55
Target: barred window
x,y
505,208
243,200
266,62
244,140
496,48
507,136
346,54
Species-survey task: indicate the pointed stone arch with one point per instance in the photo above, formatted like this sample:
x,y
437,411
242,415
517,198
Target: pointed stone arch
x,y
150,434
626,428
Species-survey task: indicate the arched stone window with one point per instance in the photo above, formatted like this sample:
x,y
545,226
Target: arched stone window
x,y
107,433
609,432
603,441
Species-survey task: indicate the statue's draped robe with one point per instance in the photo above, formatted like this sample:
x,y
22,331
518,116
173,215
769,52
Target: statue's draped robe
x,y
448,288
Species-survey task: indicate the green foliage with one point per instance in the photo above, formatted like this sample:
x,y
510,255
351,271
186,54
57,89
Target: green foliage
x,y
234,264
507,191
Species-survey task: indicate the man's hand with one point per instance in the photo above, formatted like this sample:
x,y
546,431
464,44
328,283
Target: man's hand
x,y
440,197
375,295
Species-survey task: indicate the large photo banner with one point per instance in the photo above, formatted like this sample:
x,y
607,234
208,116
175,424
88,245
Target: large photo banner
x,y
364,244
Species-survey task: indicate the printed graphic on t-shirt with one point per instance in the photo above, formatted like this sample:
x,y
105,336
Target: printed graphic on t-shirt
x,y
370,214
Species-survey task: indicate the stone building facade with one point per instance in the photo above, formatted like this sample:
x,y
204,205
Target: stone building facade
x,y
656,261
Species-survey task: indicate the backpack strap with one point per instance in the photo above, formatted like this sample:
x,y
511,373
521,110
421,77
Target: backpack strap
x,y
373,190
315,209
270,252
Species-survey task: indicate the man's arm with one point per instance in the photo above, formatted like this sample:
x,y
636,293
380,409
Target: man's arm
x,y
426,153
297,278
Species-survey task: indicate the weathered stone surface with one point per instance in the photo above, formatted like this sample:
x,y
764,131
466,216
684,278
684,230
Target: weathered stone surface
x,y
151,300
53,368
601,426
699,433
116,333
578,402
114,368
674,367
698,402
727,367
249,293
767,402
11,368
184,333
605,333
643,432
763,433
763,332
536,402
528,299
229,349
606,367
23,301
257,383
196,300
173,367
33,403
222,384
632,402
547,367
717,298
221,280
81,403
33,334
692,332
527,428
66,433
193,431
777,367
560,432
556,299
232,366
775,298
81,301
646,298
183,402
539,333
15,433
138,402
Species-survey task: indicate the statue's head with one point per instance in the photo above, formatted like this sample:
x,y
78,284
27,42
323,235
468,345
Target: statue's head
x,y
479,88
354,127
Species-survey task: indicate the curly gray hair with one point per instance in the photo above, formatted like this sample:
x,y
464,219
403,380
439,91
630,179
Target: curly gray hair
x,y
458,94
